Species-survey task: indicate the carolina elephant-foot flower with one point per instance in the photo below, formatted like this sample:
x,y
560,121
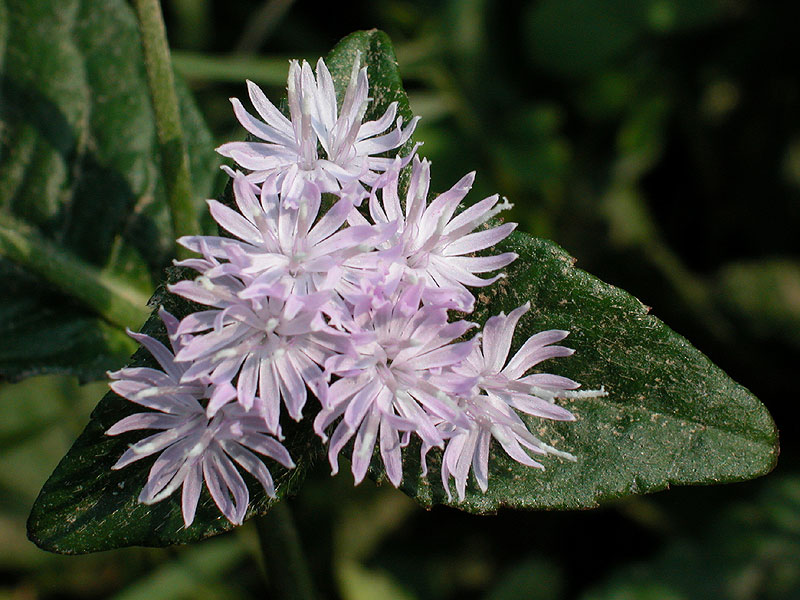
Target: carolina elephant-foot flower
x,y
290,146
269,350
434,244
193,448
280,251
399,381
502,388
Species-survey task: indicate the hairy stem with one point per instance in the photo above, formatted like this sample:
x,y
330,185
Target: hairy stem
x,y
174,158
113,299
284,560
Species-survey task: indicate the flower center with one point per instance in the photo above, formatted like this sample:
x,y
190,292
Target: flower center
x,y
419,260
296,262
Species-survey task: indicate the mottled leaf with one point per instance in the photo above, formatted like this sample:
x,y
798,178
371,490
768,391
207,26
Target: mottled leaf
x,y
671,416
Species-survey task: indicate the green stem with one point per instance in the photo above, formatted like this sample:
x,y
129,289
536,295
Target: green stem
x,y
208,67
272,70
174,158
284,560
113,299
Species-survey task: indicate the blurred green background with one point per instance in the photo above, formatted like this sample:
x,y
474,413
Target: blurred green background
x,y
658,141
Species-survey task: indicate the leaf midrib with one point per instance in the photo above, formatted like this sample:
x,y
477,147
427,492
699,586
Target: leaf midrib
x,y
675,418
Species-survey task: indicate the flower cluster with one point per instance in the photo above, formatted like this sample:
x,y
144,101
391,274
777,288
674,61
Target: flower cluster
x,y
348,309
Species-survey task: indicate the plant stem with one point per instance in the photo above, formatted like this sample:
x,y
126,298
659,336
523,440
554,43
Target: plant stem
x,y
284,560
209,67
174,158
113,299
272,70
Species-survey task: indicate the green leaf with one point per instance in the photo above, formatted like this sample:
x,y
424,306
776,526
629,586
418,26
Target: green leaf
x,y
81,166
86,507
31,442
574,38
671,416
54,338
534,578
191,571
385,85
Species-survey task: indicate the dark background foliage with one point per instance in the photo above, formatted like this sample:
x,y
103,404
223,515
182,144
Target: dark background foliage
x,y
658,142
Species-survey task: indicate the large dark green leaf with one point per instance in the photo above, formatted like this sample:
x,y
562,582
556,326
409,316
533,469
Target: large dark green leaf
x,y
671,416
86,507
80,163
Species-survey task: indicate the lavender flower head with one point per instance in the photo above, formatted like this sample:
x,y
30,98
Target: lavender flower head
x,y
501,389
267,292
433,244
290,146
399,379
281,248
193,447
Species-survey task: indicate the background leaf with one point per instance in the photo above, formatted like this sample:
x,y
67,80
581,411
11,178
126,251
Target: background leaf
x,y
577,37
670,417
774,315
750,550
80,163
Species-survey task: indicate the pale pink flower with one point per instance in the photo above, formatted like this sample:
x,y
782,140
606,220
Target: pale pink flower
x,y
284,250
270,348
350,147
194,448
398,381
501,388
433,244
